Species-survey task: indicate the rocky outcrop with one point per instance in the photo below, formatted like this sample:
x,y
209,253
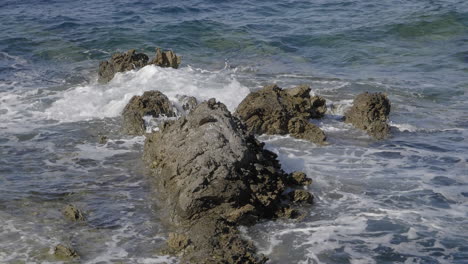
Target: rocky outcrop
x,y
166,59
64,252
130,60
214,175
151,103
121,62
273,110
72,213
370,113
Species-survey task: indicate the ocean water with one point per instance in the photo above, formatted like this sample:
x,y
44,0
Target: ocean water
x,y
400,200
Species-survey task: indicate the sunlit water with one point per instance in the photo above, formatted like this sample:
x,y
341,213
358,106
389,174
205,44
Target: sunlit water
x,y
400,200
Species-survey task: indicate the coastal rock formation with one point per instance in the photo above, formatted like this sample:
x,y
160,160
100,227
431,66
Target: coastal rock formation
x,y
121,62
130,60
273,110
72,213
370,113
214,175
166,59
64,252
151,103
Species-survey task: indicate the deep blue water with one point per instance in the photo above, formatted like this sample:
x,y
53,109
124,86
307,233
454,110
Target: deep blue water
x,y
401,200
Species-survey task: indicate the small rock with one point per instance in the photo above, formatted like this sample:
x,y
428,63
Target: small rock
x,y
301,128
188,103
73,213
102,139
121,62
151,103
166,59
65,252
300,178
370,112
300,196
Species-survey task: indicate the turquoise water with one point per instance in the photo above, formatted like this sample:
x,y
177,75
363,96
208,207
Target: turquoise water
x,y
401,200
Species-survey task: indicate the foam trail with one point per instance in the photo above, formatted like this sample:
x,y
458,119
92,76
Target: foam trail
x,y
101,101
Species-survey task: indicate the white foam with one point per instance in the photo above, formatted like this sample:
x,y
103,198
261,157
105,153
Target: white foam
x,y
101,101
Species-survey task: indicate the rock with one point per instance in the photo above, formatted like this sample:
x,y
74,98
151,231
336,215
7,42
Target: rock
x,y
65,252
300,178
166,59
300,196
72,213
177,242
370,113
130,60
121,62
301,128
151,103
270,110
188,103
102,139
213,175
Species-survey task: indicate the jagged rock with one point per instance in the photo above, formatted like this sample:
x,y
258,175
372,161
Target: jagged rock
x,y
130,60
370,113
166,59
72,213
300,196
301,128
151,103
121,62
300,178
213,175
271,109
177,242
64,252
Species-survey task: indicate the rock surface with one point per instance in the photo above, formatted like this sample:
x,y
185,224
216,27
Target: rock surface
x,y
273,110
65,252
370,113
130,60
72,213
121,62
213,175
151,103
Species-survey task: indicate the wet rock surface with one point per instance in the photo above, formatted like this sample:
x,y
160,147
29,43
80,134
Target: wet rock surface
x,y
131,60
151,103
370,113
273,110
65,252
214,175
121,62
72,213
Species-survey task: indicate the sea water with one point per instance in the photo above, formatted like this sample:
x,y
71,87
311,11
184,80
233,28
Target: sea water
x,y
399,200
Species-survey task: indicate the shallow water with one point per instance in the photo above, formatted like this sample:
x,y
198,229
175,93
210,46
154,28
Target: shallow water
x,y
401,200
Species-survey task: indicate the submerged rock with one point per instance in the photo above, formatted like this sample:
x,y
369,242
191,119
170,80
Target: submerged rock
x,y
130,60
370,113
72,213
273,110
213,175
65,252
151,103
121,62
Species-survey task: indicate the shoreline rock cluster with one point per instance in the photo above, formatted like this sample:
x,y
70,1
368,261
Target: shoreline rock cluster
x,y
212,173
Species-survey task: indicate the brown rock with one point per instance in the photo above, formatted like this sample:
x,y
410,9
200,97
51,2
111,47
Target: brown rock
x,y
72,213
300,178
65,252
370,113
151,103
166,59
300,196
301,128
269,111
121,62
